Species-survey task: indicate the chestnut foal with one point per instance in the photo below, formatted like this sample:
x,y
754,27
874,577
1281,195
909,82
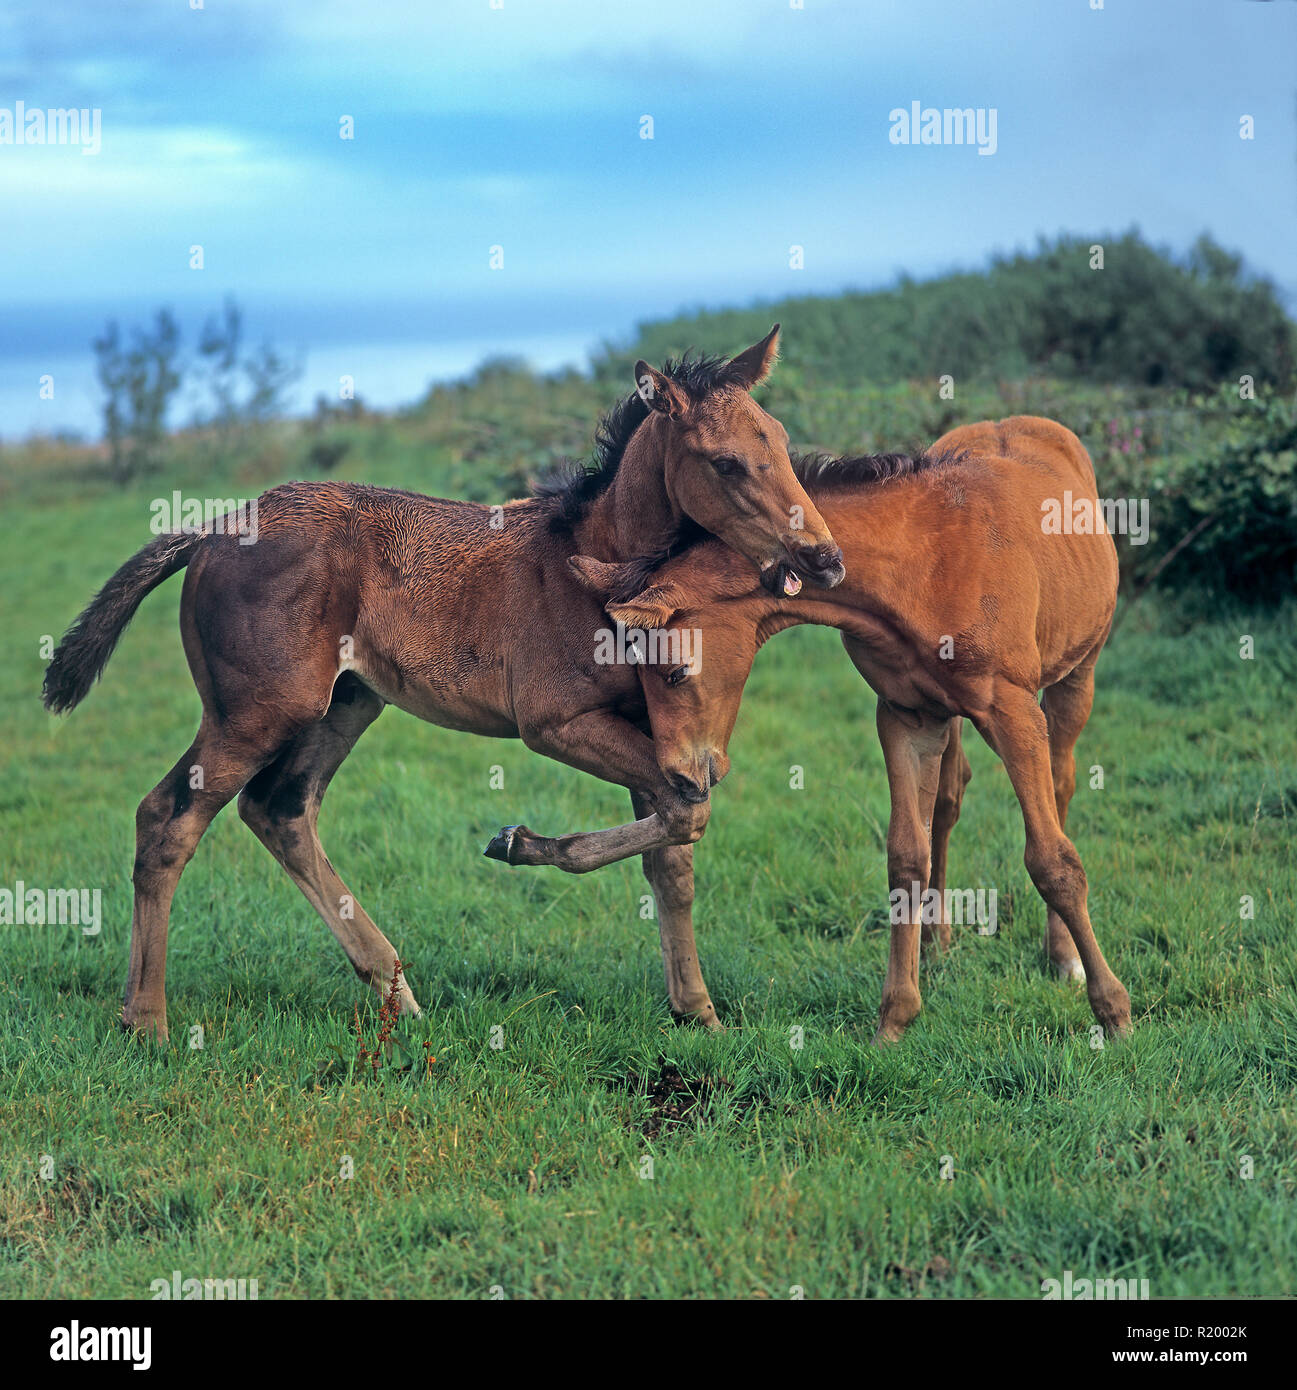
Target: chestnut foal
x,y
957,604
468,616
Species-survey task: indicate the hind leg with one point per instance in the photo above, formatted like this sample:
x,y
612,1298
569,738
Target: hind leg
x,y
1067,707
168,825
281,804
1017,730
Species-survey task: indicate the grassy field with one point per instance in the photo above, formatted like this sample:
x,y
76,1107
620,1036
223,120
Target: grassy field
x,y
522,1168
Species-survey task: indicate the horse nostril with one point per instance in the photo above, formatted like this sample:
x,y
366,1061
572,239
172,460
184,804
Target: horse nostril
x,y
690,790
819,557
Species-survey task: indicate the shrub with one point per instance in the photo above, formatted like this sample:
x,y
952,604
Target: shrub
x,y
1228,520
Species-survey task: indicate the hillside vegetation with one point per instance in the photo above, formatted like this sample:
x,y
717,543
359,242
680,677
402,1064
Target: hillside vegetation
x,y
1179,379
1144,319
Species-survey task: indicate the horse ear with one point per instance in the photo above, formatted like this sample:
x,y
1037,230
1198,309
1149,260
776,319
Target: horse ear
x,y
598,576
654,606
659,392
754,365
651,607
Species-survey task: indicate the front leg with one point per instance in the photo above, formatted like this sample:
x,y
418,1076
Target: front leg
x,y
912,749
670,873
613,749
580,852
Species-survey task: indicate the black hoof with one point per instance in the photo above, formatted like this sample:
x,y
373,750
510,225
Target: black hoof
x,y
501,845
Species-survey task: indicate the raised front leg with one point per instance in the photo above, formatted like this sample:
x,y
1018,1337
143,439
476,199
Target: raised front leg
x,y
912,747
583,850
616,751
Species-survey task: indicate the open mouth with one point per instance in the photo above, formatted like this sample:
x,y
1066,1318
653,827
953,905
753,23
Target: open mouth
x,y
822,568
781,579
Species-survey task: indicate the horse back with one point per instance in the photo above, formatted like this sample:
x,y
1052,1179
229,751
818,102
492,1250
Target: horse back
x,y
1024,439
1035,470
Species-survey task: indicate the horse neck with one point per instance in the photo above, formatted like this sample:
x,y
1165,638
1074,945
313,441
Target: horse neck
x,y
635,516
876,525
874,528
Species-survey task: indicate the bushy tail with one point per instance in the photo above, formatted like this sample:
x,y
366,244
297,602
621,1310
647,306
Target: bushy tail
x,y
88,643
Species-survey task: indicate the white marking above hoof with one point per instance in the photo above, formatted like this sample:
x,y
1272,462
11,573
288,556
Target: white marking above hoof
x,y
1070,970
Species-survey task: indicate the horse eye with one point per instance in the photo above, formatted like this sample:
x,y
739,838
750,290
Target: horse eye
x,y
676,676
727,466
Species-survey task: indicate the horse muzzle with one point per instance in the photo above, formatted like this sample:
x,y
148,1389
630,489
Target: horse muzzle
x,y
819,565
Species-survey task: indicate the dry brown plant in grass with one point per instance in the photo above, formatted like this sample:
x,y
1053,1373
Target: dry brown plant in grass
x,y
387,1016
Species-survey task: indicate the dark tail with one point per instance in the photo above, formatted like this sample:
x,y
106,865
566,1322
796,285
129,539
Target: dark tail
x,y
88,643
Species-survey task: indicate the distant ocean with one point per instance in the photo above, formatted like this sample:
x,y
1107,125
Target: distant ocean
x,y
385,374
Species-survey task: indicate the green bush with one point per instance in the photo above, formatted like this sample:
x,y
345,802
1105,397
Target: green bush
x,y
1144,319
1228,520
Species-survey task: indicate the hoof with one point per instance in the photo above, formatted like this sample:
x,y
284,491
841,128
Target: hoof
x,y
898,1011
145,1026
1112,1009
699,1018
502,845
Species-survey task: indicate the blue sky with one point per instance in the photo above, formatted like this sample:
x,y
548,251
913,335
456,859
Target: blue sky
x,y
519,126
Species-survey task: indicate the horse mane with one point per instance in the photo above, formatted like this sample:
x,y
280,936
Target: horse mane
x,y
826,470
572,485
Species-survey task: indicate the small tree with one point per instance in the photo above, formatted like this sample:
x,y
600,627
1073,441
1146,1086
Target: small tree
x,y
245,390
139,383
269,376
218,349
110,368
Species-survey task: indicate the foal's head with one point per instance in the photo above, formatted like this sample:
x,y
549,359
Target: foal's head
x,y
726,466
692,683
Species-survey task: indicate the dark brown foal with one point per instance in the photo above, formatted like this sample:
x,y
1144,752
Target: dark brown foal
x,y
468,616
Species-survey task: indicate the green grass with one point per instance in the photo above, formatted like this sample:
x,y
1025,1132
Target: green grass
x,y
523,1167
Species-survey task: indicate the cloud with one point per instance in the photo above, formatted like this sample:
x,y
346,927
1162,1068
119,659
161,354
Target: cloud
x,y
520,126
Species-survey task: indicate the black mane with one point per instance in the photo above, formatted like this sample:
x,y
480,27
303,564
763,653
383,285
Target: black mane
x,y
572,486
824,470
